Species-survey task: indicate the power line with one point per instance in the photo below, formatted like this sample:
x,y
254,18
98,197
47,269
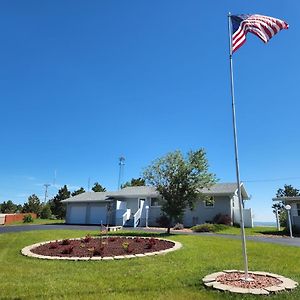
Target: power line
x,y
272,179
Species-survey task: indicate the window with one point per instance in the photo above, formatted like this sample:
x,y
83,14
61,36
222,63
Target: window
x,y
210,202
155,202
298,209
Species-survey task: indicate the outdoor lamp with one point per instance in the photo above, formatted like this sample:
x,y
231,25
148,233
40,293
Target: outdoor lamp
x,y
147,214
288,208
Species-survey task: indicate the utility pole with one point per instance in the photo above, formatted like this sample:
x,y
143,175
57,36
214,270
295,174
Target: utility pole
x,y
121,171
46,185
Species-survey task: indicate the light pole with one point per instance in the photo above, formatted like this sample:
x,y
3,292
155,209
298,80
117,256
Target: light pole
x,y
288,208
147,214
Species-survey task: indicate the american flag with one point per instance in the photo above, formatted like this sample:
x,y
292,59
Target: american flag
x,y
262,26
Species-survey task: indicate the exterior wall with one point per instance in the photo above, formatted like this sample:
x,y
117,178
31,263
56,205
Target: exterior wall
x,y
133,204
202,214
199,215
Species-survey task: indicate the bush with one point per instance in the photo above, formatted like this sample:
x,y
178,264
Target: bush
x,y
178,226
222,219
27,219
163,221
65,242
46,212
203,228
209,227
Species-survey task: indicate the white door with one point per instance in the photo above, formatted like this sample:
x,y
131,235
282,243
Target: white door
x,y
98,213
77,214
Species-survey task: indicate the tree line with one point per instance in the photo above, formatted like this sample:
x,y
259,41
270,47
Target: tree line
x,y
54,208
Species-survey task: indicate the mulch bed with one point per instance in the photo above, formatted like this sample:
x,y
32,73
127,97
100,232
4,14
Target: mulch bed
x,y
104,247
236,279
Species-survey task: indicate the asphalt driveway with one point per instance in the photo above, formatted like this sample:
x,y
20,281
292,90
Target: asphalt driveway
x,y
264,239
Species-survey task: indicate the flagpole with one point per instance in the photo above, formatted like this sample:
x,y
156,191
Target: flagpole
x,y
243,238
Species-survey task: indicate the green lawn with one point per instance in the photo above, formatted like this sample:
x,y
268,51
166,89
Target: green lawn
x,y
253,231
176,275
37,222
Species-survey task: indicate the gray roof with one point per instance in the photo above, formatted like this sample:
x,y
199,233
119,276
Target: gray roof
x,y
135,191
150,191
225,189
88,197
287,199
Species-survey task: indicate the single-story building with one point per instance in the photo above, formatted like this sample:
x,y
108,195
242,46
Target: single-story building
x,y
294,202
129,206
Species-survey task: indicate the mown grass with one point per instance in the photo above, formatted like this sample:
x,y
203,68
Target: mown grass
x,y
176,275
37,222
252,231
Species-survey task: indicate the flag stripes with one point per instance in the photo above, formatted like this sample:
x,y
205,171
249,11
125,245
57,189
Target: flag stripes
x,y
262,26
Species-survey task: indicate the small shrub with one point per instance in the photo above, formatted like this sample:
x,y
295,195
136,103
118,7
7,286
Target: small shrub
x,y
163,221
178,226
53,246
151,242
98,252
138,239
209,227
87,238
67,250
125,246
27,219
203,228
66,242
222,219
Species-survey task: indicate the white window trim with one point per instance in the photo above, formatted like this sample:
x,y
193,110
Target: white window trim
x,y
210,206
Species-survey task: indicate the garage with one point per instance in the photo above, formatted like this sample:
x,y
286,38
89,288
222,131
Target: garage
x,y
77,213
97,213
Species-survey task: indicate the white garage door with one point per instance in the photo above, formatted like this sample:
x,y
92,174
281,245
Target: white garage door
x,y
97,214
77,214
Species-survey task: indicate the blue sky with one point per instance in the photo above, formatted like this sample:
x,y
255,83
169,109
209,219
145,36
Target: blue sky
x,y
83,82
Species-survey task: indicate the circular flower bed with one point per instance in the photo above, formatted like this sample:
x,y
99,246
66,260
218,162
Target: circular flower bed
x,y
100,248
258,282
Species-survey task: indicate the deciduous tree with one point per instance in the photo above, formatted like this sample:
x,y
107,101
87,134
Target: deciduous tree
x,y
179,179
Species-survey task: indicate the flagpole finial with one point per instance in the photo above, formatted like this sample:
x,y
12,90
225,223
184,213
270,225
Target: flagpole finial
x,y
229,14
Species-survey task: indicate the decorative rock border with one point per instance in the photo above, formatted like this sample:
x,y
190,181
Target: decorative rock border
x,y
26,251
286,283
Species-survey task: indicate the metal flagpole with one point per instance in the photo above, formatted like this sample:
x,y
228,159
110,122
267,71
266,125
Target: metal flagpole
x,y
236,152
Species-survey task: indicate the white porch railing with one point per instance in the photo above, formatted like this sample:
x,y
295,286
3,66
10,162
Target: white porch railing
x,y
137,217
126,215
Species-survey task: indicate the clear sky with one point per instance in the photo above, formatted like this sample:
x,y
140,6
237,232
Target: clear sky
x,y
83,82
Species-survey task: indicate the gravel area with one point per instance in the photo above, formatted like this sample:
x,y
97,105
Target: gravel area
x,y
256,281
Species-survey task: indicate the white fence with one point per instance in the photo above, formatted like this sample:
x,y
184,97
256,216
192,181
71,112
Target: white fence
x,y
248,218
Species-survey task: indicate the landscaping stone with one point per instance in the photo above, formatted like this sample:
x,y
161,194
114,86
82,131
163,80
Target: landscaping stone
x,y
263,283
30,250
275,288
